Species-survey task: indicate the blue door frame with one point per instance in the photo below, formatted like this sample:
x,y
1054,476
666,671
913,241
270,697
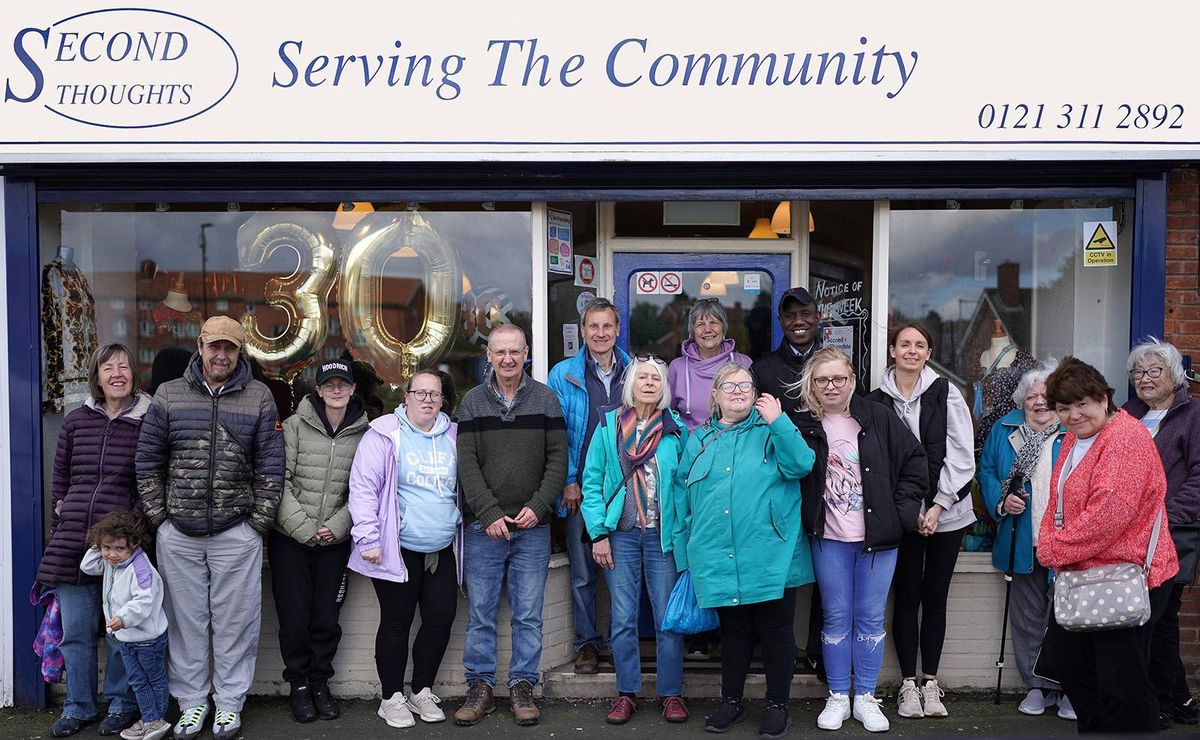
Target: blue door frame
x,y
625,264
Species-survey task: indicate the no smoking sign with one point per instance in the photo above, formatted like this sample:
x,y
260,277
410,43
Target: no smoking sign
x,y
658,283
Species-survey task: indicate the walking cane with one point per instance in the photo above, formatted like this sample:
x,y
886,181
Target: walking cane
x,y
1014,490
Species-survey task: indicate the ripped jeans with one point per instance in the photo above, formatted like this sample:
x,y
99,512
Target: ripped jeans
x,y
854,589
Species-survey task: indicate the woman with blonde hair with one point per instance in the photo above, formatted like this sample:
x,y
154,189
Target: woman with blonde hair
x,y
864,492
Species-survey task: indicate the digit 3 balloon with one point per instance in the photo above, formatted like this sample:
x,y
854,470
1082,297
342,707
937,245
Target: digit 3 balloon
x,y
361,295
302,296
482,311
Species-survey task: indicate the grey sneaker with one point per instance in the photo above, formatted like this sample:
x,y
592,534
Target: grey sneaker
x,y
191,722
226,724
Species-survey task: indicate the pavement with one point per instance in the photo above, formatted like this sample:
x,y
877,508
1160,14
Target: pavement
x,y
267,718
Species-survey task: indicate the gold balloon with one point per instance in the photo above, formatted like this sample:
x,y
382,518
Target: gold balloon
x,y
302,296
361,296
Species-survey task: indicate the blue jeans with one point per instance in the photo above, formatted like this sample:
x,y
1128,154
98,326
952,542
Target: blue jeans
x,y
854,588
583,585
637,557
82,616
525,561
145,663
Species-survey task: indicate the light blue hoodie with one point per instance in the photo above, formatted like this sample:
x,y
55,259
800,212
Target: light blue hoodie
x,y
426,476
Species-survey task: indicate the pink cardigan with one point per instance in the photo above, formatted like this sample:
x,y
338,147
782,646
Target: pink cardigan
x,y
1110,502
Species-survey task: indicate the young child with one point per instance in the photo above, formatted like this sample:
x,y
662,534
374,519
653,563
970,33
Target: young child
x,y
132,594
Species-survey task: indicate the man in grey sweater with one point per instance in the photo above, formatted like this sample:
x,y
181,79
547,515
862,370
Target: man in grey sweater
x,y
512,462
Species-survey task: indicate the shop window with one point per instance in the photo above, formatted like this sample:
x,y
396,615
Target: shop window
x,y
841,277
568,287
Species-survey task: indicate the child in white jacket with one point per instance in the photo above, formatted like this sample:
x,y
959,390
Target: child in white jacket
x,y
132,595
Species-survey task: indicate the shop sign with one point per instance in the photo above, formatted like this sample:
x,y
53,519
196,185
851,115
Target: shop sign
x,y
236,81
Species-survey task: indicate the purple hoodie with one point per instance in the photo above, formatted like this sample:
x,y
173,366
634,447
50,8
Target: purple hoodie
x,y
374,505
691,380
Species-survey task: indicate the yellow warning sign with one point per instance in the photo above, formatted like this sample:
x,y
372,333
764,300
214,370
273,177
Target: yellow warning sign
x,y
1099,249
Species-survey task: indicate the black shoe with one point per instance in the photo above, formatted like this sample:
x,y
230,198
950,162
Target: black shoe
x,y
1165,721
66,726
327,706
776,721
727,715
1187,713
114,723
301,702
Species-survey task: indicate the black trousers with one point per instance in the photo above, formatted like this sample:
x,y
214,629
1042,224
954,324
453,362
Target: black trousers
x,y
774,622
924,568
1105,673
437,595
1167,674
306,581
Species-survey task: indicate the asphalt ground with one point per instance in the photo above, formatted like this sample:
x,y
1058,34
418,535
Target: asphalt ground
x,y
267,718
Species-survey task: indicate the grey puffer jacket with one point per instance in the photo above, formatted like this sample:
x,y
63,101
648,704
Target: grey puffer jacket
x,y
211,461
316,472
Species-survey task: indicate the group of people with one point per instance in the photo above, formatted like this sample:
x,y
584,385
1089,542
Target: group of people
x,y
754,478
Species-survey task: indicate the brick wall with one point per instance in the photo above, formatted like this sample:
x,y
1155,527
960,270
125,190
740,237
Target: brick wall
x,y
1183,330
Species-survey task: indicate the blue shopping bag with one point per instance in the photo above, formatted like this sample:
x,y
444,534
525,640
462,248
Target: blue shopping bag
x,y
684,616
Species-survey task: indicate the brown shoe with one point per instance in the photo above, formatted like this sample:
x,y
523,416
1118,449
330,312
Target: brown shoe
x,y
674,710
587,660
525,712
477,704
621,710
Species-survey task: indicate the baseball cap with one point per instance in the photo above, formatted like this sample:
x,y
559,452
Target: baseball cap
x,y
222,327
797,294
334,369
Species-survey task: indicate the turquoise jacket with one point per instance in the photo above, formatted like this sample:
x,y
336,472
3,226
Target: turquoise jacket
x,y
603,494
999,452
740,533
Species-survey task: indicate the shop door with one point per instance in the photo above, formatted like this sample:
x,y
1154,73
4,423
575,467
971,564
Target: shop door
x,y
655,290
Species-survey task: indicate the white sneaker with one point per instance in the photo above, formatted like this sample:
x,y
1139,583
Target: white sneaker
x,y
394,710
1034,703
867,711
226,724
909,701
425,705
931,697
836,711
191,722
1065,710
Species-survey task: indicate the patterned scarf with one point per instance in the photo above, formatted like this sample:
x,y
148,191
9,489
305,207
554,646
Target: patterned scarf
x,y
635,452
1027,457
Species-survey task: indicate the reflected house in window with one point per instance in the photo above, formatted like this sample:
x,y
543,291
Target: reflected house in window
x,y
1006,303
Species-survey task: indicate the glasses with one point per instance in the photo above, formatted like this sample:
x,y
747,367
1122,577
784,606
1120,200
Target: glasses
x,y
503,353
837,381
338,387
649,357
1153,373
424,395
745,387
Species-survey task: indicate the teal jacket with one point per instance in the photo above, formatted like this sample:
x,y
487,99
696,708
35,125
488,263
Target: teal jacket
x,y
740,533
603,494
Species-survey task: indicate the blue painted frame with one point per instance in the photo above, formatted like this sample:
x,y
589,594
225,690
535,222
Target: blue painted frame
x,y
778,266
24,429
1148,300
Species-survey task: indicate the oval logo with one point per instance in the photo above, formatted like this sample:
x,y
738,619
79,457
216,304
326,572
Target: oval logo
x,y
135,68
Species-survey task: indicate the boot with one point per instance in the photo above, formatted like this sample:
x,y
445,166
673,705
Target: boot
x,y
477,704
525,712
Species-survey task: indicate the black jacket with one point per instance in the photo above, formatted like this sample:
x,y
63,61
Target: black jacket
x,y
894,476
782,367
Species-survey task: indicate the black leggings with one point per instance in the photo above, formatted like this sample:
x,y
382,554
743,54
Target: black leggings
x,y
924,567
773,620
437,594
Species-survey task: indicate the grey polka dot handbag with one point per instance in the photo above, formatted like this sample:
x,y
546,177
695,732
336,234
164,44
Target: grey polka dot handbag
x,y
1107,597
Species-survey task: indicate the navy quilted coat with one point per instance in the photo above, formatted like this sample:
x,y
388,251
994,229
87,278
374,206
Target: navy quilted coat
x,y
209,462
93,475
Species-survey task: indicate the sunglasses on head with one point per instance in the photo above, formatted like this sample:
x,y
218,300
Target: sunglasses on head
x,y
649,357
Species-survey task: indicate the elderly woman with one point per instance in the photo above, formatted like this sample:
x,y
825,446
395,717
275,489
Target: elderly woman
x,y
1173,420
1014,478
1109,490
740,536
630,510
93,475
865,491
704,351
934,410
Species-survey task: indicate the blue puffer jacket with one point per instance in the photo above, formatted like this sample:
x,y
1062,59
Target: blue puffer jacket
x,y
567,381
999,451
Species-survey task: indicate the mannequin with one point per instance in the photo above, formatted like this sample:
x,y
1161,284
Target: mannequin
x,y
1000,354
176,310
177,297
69,333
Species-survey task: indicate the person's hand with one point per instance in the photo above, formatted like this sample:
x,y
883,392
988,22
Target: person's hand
x,y
768,407
572,497
602,554
1014,505
498,530
114,624
373,556
524,519
324,534
928,522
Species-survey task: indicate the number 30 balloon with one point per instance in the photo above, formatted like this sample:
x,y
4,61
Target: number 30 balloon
x,y
360,296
